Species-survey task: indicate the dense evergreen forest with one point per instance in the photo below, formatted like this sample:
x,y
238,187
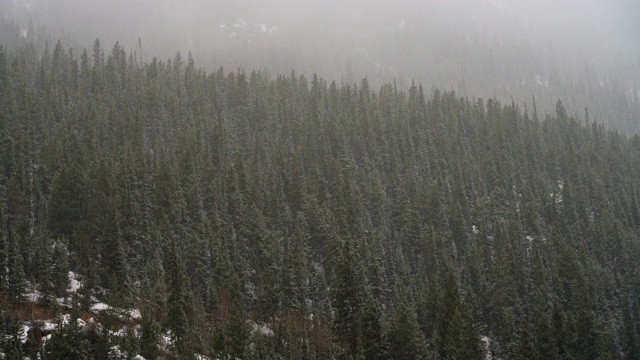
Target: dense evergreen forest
x,y
587,54
250,216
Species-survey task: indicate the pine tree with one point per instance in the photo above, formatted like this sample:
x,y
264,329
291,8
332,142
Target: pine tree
x,y
294,268
372,342
16,281
348,298
11,335
586,335
525,343
4,235
447,331
630,337
157,286
149,337
236,332
177,303
67,208
546,345
59,268
67,342
115,264
467,345
406,340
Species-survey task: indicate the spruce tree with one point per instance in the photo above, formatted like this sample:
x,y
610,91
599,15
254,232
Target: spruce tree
x,y
630,337
59,268
16,281
406,340
177,304
348,298
372,342
149,337
67,342
12,333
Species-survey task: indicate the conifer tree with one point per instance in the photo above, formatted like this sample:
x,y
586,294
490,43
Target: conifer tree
x,y
467,345
447,331
12,333
372,342
59,268
294,268
67,341
149,337
16,281
177,319
67,209
348,298
3,257
114,262
630,339
406,340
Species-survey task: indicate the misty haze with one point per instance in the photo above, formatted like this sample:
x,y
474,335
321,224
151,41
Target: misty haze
x,y
585,53
220,179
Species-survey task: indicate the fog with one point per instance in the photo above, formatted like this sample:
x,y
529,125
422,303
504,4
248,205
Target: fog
x,y
583,52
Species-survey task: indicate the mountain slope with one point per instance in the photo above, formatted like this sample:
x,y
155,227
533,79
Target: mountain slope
x,y
337,217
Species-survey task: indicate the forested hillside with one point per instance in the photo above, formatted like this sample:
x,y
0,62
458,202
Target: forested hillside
x,y
585,53
287,217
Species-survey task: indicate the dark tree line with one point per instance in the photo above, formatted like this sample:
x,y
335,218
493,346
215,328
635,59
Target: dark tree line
x,y
471,47
348,222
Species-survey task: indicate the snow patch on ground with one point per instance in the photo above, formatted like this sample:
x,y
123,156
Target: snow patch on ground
x,y
486,342
124,313
116,353
166,340
129,316
65,302
32,295
23,336
135,314
262,329
120,333
74,284
100,307
49,326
